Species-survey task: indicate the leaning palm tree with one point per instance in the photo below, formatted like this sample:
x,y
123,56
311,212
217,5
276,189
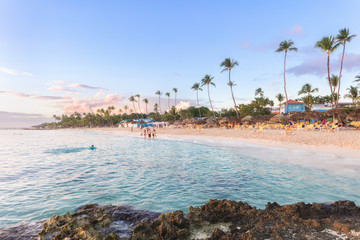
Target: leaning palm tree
x,y
328,44
334,79
280,98
159,93
286,46
146,101
138,101
196,87
353,94
259,92
175,91
132,99
307,89
168,95
207,80
229,64
343,37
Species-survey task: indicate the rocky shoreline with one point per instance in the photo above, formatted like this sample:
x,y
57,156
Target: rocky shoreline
x,y
216,220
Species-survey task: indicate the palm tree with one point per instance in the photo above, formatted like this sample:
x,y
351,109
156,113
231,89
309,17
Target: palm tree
x,y
132,99
343,37
286,46
196,87
138,101
353,94
146,101
334,79
126,108
168,95
229,64
280,98
159,93
175,91
328,44
260,92
207,80
156,107
306,89
357,78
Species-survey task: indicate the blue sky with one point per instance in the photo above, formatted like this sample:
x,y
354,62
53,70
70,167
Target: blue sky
x,y
60,56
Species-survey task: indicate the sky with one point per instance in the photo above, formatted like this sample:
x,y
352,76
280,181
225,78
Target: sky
x,y
61,56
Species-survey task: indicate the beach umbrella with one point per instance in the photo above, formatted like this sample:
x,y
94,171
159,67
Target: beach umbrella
x,y
211,121
297,116
248,118
279,118
224,120
332,112
178,122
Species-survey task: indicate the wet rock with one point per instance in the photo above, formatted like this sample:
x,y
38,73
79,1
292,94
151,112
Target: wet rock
x,y
23,230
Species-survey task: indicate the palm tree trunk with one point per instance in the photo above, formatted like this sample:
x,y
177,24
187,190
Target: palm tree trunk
x,y
197,97
232,94
338,91
169,103
210,101
159,105
139,106
332,93
309,102
175,100
146,109
286,96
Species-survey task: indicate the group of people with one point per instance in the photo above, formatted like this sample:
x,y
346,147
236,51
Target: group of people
x,y
148,133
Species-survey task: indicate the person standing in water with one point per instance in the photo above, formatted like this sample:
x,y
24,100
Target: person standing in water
x,y
153,133
149,132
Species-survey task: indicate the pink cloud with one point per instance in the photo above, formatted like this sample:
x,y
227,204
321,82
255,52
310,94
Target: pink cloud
x,y
317,66
52,97
83,86
60,89
295,30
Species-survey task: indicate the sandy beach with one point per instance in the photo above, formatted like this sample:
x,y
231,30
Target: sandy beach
x,y
344,142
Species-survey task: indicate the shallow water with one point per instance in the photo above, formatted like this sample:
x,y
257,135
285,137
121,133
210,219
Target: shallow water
x,y
51,172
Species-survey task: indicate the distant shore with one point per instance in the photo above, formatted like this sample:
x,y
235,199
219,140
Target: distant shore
x,y
344,142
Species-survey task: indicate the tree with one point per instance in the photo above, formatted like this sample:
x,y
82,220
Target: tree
x,y
286,46
138,101
334,79
146,101
259,92
156,107
159,93
353,94
280,98
207,80
175,91
357,78
168,95
132,99
343,37
307,89
328,45
126,108
196,87
229,64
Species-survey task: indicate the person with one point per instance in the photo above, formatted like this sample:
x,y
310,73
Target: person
x,y
153,133
144,133
92,147
149,132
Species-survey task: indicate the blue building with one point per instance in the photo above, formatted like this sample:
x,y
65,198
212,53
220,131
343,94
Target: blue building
x,y
294,106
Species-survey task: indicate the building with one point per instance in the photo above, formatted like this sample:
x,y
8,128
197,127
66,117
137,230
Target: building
x,y
294,106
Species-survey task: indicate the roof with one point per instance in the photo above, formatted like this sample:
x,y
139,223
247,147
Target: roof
x,y
290,101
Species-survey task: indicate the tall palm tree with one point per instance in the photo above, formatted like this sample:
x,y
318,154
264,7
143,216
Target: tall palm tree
x,y
259,92
133,100
353,94
156,107
307,89
159,93
328,45
168,95
207,80
343,37
196,87
280,98
138,101
229,64
334,79
146,101
286,46
126,108
175,91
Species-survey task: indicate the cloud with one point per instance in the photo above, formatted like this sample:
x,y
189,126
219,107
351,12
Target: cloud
x,y
52,97
60,89
83,86
61,82
9,71
295,30
39,97
245,45
21,120
317,66
15,72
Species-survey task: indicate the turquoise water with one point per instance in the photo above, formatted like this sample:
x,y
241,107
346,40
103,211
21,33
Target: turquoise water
x,y
51,172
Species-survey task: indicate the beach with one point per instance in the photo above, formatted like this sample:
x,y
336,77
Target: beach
x,y
344,142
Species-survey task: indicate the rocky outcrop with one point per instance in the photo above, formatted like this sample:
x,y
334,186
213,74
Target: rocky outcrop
x,y
216,220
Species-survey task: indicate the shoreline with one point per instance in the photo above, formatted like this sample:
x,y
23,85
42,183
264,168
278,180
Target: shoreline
x,y
345,143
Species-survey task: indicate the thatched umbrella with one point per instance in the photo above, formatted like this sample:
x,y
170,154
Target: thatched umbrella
x,y
313,116
224,120
353,116
201,121
279,118
211,121
297,116
192,121
178,122
248,118
332,112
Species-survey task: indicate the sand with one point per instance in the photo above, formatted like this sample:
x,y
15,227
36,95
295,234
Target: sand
x,y
344,142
